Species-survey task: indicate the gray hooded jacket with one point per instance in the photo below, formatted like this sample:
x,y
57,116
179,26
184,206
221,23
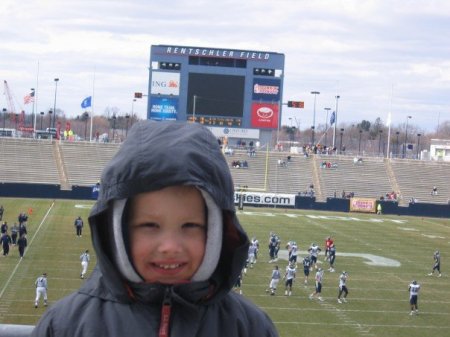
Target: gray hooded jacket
x,y
115,301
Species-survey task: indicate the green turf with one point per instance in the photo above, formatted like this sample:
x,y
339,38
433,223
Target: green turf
x,y
378,299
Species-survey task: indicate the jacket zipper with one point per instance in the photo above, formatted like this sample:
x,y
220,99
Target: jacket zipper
x,y
165,313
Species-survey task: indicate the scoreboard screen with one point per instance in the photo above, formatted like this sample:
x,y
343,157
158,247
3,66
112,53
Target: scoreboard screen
x,y
215,95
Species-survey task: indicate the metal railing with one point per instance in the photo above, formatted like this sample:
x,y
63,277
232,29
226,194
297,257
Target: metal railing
x,y
15,330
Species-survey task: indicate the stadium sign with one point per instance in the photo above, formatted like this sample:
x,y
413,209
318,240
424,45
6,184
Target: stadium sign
x,y
265,199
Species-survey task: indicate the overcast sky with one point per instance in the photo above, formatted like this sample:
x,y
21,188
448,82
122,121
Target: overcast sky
x,y
378,56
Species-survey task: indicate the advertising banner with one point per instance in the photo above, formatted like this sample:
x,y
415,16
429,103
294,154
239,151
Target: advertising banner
x,y
265,115
264,199
266,89
165,83
366,205
162,108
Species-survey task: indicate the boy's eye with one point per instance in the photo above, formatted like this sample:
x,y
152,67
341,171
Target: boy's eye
x,y
147,225
193,225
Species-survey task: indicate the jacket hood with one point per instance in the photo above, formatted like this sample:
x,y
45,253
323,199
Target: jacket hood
x,y
157,155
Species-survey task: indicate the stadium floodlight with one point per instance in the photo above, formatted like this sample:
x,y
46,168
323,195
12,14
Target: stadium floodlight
x,y
54,104
315,93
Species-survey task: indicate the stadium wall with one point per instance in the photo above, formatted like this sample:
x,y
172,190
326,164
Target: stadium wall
x,y
44,191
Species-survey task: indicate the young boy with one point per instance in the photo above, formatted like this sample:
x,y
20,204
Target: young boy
x,y
168,243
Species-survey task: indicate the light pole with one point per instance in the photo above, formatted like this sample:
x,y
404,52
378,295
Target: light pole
x,y
406,136
32,109
326,125
335,120
42,117
127,117
418,145
50,119
4,118
359,146
132,110
397,133
54,104
340,146
114,127
86,117
315,93
379,142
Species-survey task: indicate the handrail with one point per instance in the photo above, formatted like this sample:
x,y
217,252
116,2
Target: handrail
x,y
15,330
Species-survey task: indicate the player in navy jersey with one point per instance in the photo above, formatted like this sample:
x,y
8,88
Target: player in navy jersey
x,y
306,267
413,289
437,263
332,257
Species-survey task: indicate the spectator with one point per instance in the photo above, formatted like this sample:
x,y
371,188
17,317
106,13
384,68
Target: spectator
x,y
169,247
434,191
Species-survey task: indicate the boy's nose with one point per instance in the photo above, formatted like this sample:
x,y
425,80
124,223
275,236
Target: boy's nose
x,y
171,242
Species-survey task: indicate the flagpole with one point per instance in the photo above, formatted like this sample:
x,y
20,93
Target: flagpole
x,y
92,107
36,98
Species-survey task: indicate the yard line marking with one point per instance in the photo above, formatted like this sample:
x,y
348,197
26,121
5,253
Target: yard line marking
x,y
20,260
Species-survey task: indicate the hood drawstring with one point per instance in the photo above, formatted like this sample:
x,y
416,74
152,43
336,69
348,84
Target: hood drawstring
x,y
165,313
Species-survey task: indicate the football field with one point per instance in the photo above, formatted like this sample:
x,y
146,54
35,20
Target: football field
x,y
381,253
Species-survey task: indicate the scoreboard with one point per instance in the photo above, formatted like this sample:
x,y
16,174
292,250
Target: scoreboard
x,y
216,87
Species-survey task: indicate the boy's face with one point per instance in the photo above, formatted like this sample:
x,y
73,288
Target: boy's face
x,y
168,233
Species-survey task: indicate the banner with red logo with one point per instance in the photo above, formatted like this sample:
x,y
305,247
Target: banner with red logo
x,y
265,115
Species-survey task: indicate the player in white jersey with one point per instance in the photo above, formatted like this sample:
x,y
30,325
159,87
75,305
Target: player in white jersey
x,y
274,280
413,289
84,258
255,243
318,290
293,252
343,287
252,249
290,277
314,251
41,289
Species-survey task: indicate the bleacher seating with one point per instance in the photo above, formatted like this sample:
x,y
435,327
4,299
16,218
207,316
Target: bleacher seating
x,y
367,179
34,161
416,180
84,162
25,160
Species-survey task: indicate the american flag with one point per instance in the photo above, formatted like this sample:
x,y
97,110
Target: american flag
x,y
29,98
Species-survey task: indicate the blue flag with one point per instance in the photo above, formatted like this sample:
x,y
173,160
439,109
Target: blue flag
x,y
333,118
86,102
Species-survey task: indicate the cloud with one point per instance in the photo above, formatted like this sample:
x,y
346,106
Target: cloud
x,y
359,49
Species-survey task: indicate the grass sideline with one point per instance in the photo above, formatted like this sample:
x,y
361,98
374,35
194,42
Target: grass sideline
x,y
378,297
